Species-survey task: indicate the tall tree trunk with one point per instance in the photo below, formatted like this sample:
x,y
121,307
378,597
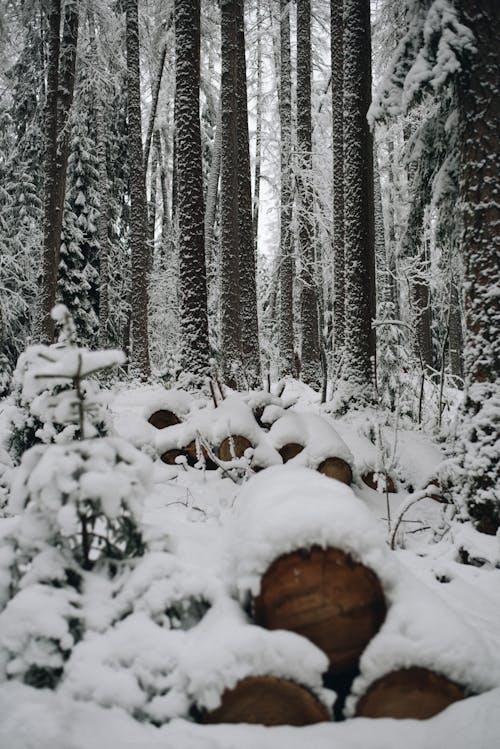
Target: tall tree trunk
x,y
190,213
258,134
456,342
229,260
337,59
479,108
358,202
310,350
286,342
248,263
213,191
59,98
139,251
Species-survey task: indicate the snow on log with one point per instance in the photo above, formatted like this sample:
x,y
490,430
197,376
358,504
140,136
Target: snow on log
x,y
162,419
268,701
326,596
379,482
409,693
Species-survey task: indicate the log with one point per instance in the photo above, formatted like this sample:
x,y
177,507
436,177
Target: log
x,y
290,450
240,444
414,692
268,701
336,468
189,453
370,480
324,595
162,419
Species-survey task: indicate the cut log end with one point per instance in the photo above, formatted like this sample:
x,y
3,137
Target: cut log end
x,y
268,701
290,450
324,595
409,693
239,445
189,452
336,468
386,483
162,419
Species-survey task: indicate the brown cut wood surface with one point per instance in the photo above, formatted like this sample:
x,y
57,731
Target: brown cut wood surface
x,y
414,692
324,595
162,419
369,480
336,468
290,450
268,701
240,444
190,453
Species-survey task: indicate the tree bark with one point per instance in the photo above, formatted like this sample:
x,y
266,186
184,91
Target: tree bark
x,y
248,263
358,203
479,108
190,212
139,251
59,98
337,60
286,342
230,320
310,350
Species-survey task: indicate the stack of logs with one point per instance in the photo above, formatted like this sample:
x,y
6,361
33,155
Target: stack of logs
x,y
335,602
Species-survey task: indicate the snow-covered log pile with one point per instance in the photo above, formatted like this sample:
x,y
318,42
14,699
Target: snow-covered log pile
x,y
262,591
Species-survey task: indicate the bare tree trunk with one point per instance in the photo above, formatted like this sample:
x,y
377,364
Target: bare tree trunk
x,y
229,261
286,241
310,350
213,191
248,263
456,342
154,102
358,202
139,349
337,60
190,212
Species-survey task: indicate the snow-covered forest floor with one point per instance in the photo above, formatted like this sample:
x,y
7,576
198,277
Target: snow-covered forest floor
x,y
163,637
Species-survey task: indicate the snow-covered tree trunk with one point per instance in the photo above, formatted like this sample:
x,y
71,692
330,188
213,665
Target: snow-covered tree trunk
x,y
286,342
248,288
310,351
358,202
456,342
213,191
479,108
190,212
230,321
139,252
59,97
337,62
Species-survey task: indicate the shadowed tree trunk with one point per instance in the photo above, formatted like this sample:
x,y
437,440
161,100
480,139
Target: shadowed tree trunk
x,y
337,59
139,251
286,243
310,351
248,289
190,212
59,98
358,202
479,108
229,260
